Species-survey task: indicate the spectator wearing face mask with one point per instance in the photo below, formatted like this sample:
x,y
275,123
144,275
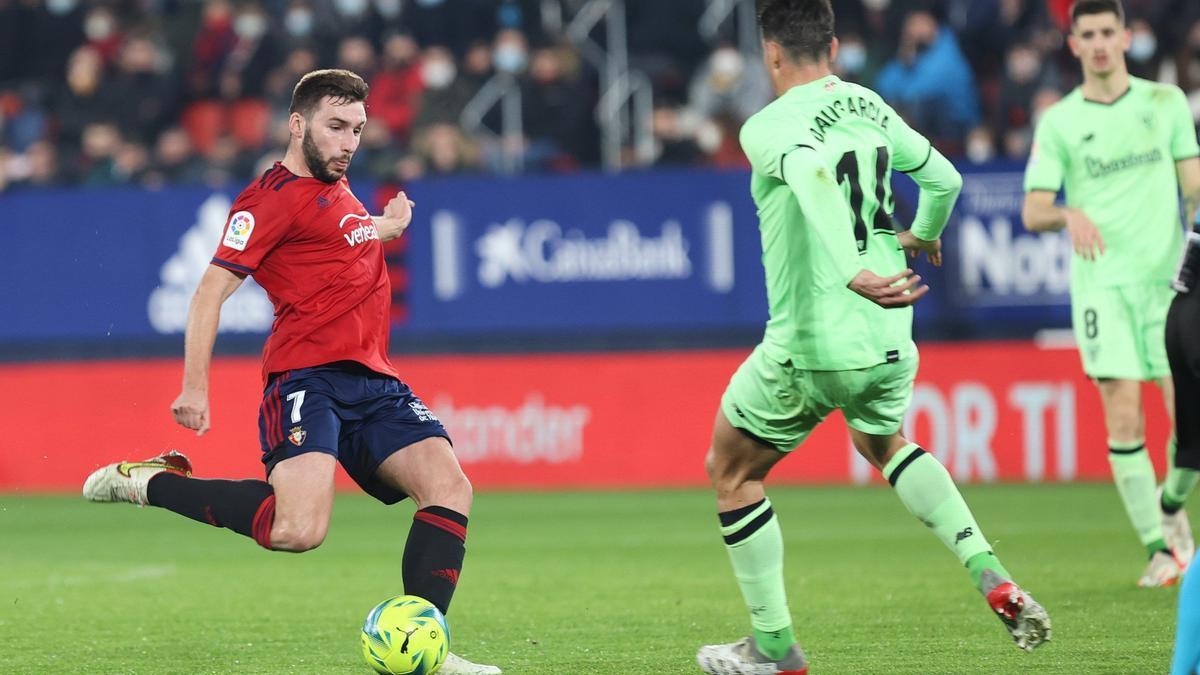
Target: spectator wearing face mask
x,y
445,93
727,85
854,62
254,53
358,18
307,27
1143,55
930,83
103,33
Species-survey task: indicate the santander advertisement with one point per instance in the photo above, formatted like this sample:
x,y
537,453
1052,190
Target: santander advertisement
x,y
989,411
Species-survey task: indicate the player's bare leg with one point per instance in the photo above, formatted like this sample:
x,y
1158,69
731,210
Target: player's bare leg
x,y
1133,474
429,473
1175,489
737,465
303,501
929,493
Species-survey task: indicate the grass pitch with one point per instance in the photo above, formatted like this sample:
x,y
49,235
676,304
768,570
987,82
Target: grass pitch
x,y
577,583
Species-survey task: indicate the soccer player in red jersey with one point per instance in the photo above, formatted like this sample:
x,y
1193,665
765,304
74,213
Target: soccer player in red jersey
x,y
330,393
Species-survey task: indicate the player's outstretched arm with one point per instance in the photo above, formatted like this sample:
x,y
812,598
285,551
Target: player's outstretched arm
x,y
396,217
1041,214
191,407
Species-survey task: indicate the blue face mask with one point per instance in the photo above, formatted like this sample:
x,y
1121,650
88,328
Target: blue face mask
x,y
509,59
852,58
1142,46
430,3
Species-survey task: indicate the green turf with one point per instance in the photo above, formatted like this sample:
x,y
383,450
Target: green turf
x,y
576,583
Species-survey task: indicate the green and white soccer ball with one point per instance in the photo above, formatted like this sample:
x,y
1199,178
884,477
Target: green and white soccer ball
x,y
405,635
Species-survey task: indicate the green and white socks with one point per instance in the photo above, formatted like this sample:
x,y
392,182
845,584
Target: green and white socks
x,y
1133,474
755,545
929,493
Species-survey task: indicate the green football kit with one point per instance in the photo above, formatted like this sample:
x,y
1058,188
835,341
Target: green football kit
x,y
822,156
1116,162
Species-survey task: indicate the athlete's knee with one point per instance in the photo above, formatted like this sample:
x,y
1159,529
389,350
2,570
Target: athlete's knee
x,y
296,536
451,489
728,475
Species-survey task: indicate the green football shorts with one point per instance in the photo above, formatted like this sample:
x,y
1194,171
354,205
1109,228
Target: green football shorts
x,y
1119,330
781,405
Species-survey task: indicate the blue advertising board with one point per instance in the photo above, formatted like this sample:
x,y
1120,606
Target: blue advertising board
x,y
637,252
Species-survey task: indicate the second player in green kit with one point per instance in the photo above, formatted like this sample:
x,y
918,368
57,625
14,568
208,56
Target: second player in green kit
x,y
1120,147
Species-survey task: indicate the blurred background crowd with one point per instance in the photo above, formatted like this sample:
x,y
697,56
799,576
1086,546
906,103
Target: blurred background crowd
x,y
155,92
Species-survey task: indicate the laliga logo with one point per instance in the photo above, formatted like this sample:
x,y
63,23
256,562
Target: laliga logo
x,y
241,224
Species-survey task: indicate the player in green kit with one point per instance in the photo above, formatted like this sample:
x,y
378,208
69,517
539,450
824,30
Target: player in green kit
x,y
1122,147
840,328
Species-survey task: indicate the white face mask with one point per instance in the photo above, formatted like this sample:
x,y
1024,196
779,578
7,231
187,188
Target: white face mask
x,y
438,73
299,22
98,27
876,4
727,63
250,26
1142,46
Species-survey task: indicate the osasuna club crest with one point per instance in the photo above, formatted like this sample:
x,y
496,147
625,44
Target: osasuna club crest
x,y
297,435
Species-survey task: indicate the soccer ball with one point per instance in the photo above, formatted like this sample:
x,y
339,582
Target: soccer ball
x,y
405,635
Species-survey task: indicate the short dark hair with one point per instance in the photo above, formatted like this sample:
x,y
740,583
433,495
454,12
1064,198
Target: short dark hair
x,y
341,85
1085,7
804,28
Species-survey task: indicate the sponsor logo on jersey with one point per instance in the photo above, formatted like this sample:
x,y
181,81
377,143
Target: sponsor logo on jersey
x,y
366,230
322,202
1100,168
237,234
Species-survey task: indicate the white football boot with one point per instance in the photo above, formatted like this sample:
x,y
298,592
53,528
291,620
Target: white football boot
x,y
457,665
1178,533
743,658
127,481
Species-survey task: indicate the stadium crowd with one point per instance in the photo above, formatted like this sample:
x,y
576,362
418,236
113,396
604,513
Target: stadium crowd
x,y
153,92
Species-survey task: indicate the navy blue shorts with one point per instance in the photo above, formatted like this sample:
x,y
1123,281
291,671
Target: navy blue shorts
x,y
346,410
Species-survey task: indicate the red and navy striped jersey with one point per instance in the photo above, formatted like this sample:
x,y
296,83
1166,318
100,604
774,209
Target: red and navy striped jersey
x,y
314,249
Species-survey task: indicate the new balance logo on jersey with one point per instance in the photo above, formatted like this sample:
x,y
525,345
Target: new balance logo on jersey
x,y
964,534
366,230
